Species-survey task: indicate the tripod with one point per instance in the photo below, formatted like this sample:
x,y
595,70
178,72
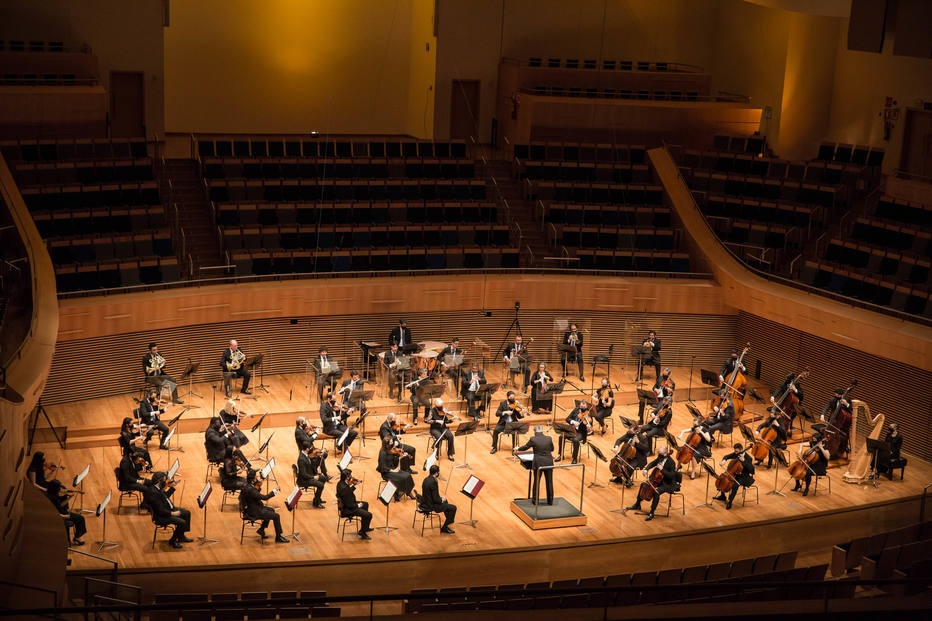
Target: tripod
x,y
516,326
35,424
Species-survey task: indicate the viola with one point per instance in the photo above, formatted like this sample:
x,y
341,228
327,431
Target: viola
x,y
649,487
726,480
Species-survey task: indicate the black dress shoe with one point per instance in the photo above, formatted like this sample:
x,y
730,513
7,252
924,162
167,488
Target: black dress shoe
x,y
175,544
728,505
493,451
363,535
649,517
184,539
261,533
446,530
246,392
633,508
318,505
179,401
280,539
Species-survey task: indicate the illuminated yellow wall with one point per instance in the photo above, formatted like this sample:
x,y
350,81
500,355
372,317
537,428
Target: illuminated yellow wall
x,y
423,59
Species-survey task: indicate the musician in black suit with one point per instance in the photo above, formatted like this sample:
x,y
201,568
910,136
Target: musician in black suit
x,y
401,335
349,386
252,505
578,419
128,475
777,444
395,375
216,441
310,461
304,435
651,357
449,353
229,472
333,421
233,364
702,450
350,507
129,441
432,501
516,356
887,463
728,367
59,496
745,478
634,437
542,447
325,368
665,385
606,404
668,485
165,513
153,366
722,418
819,467
390,468
508,411
392,430
574,338
149,411
660,419
470,381
437,418
789,386
416,403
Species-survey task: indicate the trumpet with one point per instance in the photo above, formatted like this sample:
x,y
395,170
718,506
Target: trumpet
x,y
237,358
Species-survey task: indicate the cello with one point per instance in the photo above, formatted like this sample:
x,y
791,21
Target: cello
x,y
801,466
787,402
726,481
761,447
735,387
839,424
649,487
620,465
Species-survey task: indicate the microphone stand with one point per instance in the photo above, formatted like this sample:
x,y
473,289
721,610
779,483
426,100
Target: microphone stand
x,y
775,491
689,391
708,478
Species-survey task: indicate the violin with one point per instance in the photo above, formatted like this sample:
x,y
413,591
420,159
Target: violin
x,y
353,481
52,467
585,419
169,484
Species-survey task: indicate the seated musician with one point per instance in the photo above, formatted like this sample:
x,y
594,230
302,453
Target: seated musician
x,y
252,506
349,506
779,443
819,467
788,386
633,437
304,434
745,478
606,403
574,338
216,440
449,355
310,462
728,367
333,421
325,367
229,471
516,356
128,476
431,500
60,496
231,416
579,419
129,441
702,450
392,430
395,375
36,471
470,381
164,512
153,366
390,468
232,364
660,419
416,403
664,386
541,382
722,419
668,484
149,411
439,419
887,463
508,411
349,386
652,357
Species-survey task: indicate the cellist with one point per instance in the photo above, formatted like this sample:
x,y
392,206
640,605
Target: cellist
x,y
778,443
633,438
744,478
668,484
814,450
701,448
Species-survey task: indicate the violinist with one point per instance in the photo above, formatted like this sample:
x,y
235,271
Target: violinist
x,y
416,403
216,441
390,469
232,364
439,419
149,411
333,420
660,419
508,411
349,506
664,386
605,397
542,447
668,482
252,506
231,416
573,338
779,442
59,497
128,476
728,367
165,513
541,382
580,419
391,430
433,501
129,440
153,366
470,381
37,470
722,418
787,388
310,461
634,437
816,456
304,435
701,447
229,471
744,476
652,357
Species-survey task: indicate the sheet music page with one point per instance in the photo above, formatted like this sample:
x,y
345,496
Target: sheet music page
x,y
80,476
388,493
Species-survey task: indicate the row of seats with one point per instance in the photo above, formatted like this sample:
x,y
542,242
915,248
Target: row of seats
x,y
220,190
99,220
581,152
847,153
899,553
607,64
298,237
20,45
116,273
255,605
621,172
374,212
791,190
65,172
907,212
90,250
877,260
776,236
755,144
325,147
339,168
592,92
574,236
69,197
47,150
857,284
583,192
610,215
633,260
757,210
47,79
772,168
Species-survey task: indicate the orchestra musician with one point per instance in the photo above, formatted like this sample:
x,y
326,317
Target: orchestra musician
x,y
635,437
728,367
788,386
516,356
327,372
230,416
669,484
660,419
439,419
606,403
702,450
470,381
745,478
229,471
304,435
310,461
390,468
59,497
233,364
580,420
153,366
392,430
722,419
841,404
653,356
541,382
333,421
818,467
252,506
401,335
779,443
149,411
431,500
416,403
886,464
449,354
508,411
574,338
542,447
36,471
164,512
395,375
129,439
128,477
350,385
350,507
216,440
664,386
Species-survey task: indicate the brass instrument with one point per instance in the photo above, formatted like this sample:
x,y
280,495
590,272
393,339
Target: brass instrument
x,y
237,358
157,363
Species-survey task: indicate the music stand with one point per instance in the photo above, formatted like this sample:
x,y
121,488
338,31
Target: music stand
x,y
361,421
643,397
264,448
367,356
599,457
471,489
551,394
709,378
291,503
876,448
358,400
710,472
484,395
79,481
639,352
780,460
466,428
570,354
102,510
258,426
202,504
188,374
253,362
173,424
386,498
564,429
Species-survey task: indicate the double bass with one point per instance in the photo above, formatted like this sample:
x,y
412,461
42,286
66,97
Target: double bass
x,y
839,424
735,387
787,402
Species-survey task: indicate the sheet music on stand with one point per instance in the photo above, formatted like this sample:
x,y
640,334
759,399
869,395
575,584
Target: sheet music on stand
x,y
267,469
174,469
342,437
103,503
204,495
292,499
526,460
80,476
432,458
471,489
388,493
345,460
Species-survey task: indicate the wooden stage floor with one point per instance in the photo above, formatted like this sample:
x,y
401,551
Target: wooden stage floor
x,y
499,548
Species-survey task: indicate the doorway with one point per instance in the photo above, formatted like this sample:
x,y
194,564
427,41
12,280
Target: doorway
x,y
127,105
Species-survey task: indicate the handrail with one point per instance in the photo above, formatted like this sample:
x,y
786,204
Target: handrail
x,y
922,505
29,587
114,569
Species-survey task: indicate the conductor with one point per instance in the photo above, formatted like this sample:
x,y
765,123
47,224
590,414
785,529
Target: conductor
x,y
542,447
